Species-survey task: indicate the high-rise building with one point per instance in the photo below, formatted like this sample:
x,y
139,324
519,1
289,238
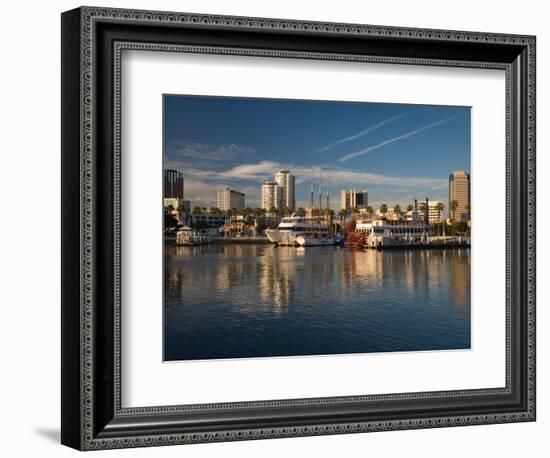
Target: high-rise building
x,y
286,181
434,215
173,184
459,190
353,199
229,199
271,195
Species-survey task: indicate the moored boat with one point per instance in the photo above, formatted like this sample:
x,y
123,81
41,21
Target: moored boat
x,y
291,227
382,233
315,240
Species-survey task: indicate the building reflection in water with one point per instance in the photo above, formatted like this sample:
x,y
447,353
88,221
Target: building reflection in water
x,y
258,276
321,296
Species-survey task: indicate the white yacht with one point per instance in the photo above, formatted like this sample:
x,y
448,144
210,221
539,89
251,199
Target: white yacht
x,y
315,239
293,226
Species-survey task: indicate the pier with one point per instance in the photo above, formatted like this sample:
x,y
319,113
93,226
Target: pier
x,y
421,246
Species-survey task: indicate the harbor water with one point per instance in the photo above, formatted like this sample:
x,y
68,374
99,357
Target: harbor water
x,y
248,300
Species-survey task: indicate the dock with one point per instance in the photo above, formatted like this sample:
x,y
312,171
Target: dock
x,y
420,246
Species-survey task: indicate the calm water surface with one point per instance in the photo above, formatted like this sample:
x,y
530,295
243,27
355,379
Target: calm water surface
x,y
236,301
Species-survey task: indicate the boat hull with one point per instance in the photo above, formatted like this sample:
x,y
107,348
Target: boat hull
x,y
284,238
312,241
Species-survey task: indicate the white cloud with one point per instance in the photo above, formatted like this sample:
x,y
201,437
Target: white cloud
x,y
190,152
257,171
266,170
201,184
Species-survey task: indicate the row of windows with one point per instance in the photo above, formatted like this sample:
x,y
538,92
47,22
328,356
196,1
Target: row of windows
x,y
379,231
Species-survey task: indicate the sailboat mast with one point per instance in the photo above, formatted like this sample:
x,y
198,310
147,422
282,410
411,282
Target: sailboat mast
x,y
311,188
320,194
328,202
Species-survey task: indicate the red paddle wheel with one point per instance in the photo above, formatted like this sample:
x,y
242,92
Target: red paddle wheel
x,y
356,239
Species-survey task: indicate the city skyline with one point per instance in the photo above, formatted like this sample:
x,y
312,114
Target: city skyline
x,y
398,152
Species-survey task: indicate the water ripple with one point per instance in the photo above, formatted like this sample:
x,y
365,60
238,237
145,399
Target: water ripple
x,y
231,301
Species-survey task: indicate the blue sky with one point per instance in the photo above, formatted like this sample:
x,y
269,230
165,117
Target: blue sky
x,y
397,152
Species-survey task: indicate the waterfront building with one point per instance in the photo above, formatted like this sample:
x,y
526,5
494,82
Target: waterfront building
x,y
410,215
180,208
354,199
180,205
230,199
173,184
271,195
171,202
207,219
434,216
286,182
459,190
392,214
185,205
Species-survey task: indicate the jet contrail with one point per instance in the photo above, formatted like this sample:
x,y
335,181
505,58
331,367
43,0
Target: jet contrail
x,y
359,134
347,157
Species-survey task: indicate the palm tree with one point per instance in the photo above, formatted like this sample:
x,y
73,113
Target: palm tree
x,y
247,212
397,211
439,207
410,208
453,207
423,209
342,214
370,211
383,209
301,211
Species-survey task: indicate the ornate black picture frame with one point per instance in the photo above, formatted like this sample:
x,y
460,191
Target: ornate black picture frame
x,y
92,42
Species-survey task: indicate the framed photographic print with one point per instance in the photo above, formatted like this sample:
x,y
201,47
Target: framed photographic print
x,y
278,228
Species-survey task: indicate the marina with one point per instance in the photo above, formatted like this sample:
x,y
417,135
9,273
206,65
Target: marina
x,y
287,234
379,234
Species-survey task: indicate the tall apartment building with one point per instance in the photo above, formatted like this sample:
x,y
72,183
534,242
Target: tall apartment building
x,y
271,195
434,216
173,184
286,182
459,190
353,199
230,199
